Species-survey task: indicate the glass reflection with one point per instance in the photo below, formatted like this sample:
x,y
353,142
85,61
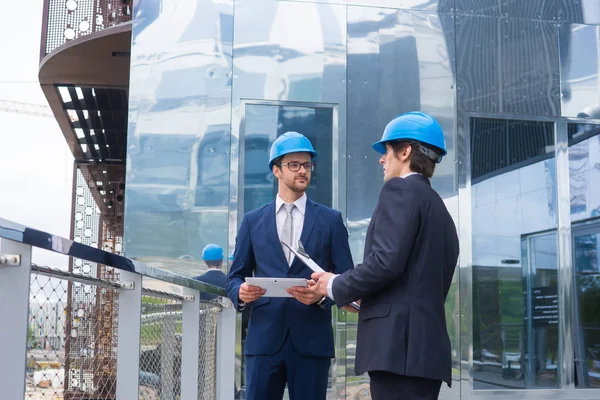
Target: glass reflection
x,y
586,254
579,11
584,173
494,79
177,193
384,46
513,197
263,124
579,50
540,326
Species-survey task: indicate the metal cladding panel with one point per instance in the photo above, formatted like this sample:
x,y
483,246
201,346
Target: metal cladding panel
x,y
178,137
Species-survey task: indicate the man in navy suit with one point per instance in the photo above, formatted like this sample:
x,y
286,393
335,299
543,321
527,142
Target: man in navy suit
x,y
411,251
289,340
213,258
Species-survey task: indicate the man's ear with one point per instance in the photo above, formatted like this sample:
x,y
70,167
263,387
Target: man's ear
x,y
407,151
276,171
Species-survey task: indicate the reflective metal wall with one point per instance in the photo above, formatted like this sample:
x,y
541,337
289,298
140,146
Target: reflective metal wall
x,y
515,86
179,135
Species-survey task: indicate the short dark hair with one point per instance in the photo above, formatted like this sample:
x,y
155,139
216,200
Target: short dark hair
x,y
214,264
419,161
277,162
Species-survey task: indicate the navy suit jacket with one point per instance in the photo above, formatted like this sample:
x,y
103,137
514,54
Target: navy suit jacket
x,y
214,277
258,252
411,250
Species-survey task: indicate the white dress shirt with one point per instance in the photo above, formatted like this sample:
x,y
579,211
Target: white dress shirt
x,y
330,283
280,214
297,214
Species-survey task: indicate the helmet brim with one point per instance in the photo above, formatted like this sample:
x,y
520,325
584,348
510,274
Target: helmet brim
x,y
379,147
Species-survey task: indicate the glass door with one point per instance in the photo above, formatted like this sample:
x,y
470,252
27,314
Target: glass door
x,y
586,267
263,122
540,273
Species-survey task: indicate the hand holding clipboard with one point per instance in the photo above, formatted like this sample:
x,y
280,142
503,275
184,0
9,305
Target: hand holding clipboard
x,y
303,256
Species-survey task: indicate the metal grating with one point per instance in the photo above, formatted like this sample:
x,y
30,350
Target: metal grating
x,y
64,359
106,184
98,118
499,145
70,19
92,311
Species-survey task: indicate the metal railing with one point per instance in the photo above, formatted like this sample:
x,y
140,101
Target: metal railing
x,y
65,20
74,336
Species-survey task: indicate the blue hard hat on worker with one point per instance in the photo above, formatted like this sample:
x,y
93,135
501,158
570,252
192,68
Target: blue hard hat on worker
x,y
290,142
212,252
418,126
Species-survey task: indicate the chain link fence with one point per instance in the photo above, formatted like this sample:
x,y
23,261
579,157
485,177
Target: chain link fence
x,y
160,349
207,360
69,357
72,340
46,338
160,355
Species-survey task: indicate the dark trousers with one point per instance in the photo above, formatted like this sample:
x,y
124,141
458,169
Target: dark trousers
x,y
389,386
306,377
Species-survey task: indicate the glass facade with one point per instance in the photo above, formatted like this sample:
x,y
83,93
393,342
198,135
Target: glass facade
x,y
515,86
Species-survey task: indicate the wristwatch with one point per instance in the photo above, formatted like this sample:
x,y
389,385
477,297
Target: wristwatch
x,y
321,303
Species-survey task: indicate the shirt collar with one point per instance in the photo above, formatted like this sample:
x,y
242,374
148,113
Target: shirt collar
x,y
300,203
409,174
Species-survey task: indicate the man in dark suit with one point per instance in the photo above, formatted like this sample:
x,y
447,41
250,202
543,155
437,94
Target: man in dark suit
x,y
212,255
289,340
411,251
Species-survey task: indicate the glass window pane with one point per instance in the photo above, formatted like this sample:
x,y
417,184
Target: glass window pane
x,y
540,273
586,253
515,342
584,174
263,124
584,159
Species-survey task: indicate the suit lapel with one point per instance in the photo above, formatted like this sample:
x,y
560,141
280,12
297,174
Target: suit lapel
x,y
310,217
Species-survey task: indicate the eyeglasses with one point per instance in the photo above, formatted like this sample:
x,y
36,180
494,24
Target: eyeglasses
x,y
294,166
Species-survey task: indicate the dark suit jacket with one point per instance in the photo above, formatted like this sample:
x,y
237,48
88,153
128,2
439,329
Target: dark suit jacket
x,y
214,277
258,251
411,251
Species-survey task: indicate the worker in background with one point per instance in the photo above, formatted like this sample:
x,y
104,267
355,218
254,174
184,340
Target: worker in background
x,y
212,255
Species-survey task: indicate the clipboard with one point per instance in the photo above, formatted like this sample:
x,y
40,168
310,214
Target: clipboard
x,y
303,256
276,287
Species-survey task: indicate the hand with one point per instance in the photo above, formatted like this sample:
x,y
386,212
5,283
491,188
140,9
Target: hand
x,y
351,309
249,293
322,279
306,295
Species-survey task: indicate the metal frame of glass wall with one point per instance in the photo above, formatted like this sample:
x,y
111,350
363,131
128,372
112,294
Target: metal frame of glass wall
x,y
566,384
338,199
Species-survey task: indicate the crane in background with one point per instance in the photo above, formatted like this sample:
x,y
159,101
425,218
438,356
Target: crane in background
x,y
18,107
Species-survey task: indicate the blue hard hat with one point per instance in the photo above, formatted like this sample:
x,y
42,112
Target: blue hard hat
x,y
290,142
212,252
417,126
231,256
